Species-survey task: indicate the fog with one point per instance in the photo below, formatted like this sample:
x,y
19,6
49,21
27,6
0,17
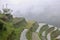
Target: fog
x,y
46,11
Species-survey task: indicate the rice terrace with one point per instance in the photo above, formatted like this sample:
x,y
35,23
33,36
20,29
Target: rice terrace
x,y
14,28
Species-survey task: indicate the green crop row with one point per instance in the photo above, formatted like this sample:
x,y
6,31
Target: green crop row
x,y
33,28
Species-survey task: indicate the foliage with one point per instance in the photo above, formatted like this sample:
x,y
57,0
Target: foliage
x,y
12,32
4,33
47,30
32,26
42,29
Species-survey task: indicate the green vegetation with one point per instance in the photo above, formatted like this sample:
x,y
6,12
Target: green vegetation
x,y
29,33
32,26
49,30
18,32
11,28
42,29
53,33
7,31
11,33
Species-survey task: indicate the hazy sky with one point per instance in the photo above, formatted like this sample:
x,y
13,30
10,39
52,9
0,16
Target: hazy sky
x,y
23,5
34,6
40,10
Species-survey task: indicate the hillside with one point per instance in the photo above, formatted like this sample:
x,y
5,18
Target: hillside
x,y
22,29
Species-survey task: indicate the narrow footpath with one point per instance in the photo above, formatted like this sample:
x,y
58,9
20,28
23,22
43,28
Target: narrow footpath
x,y
23,34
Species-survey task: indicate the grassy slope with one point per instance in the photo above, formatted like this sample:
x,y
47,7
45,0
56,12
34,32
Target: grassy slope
x,y
4,34
18,30
31,28
29,33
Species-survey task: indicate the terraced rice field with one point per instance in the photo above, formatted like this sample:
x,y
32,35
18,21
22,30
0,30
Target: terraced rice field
x,y
35,35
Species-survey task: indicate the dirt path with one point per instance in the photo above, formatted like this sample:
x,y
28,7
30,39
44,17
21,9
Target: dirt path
x,y
35,36
40,25
23,34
